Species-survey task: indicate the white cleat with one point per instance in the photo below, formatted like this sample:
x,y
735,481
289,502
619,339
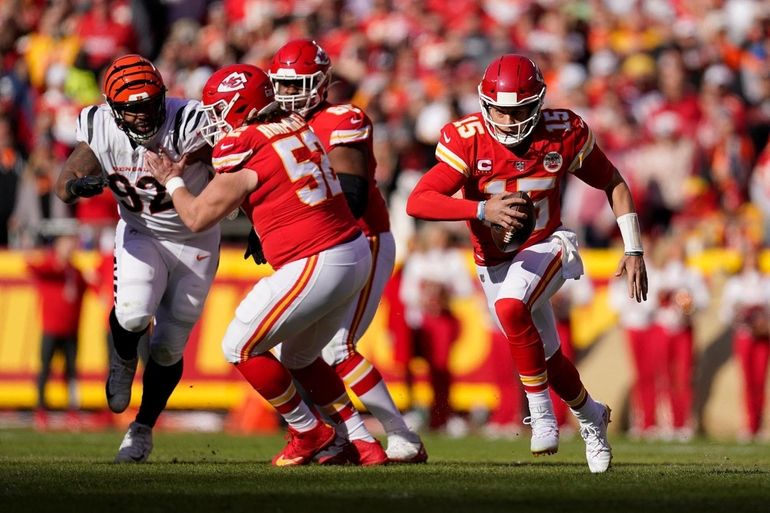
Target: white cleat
x,y
119,381
598,450
545,431
406,447
137,444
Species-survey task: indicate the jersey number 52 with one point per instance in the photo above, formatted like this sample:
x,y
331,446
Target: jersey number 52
x,y
302,157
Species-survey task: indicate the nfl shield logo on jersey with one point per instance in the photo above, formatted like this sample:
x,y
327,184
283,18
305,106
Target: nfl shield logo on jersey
x,y
552,162
520,166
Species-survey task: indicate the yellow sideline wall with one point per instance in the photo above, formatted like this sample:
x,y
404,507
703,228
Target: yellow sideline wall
x,y
210,383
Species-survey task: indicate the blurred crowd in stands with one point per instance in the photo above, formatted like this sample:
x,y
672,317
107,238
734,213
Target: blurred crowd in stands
x,y
677,93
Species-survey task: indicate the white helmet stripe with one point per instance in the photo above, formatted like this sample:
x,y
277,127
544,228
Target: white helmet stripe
x,y
507,98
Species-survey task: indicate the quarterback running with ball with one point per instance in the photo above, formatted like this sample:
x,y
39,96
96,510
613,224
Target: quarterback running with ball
x,y
514,145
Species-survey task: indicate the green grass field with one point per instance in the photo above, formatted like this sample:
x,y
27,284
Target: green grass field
x,y
188,472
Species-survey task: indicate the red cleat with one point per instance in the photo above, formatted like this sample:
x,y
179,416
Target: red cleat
x,y
341,452
357,452
303,446
368,453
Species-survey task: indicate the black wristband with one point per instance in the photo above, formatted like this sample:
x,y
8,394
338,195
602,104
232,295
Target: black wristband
x,y
634,253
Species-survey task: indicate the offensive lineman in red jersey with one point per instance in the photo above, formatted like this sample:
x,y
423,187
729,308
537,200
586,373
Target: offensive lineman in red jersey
x,y
301,74
515,145
269,161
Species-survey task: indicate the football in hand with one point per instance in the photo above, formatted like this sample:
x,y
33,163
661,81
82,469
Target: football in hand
x,y
508,241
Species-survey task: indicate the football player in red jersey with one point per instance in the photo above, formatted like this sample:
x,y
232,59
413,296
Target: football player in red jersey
x,y
301,74
514,144
268,161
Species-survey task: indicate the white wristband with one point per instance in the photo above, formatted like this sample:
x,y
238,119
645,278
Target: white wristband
x,y
174,184
631,233
480,212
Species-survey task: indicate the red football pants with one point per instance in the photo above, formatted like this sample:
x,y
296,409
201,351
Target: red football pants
x,y
677,356
435,338
642,343
752,354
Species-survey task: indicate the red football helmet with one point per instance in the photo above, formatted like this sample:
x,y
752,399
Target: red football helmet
x,y
301,63
135,92
512,81
232,96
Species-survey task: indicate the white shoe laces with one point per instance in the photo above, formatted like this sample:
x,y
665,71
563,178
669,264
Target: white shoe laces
x,y
542,427
595,436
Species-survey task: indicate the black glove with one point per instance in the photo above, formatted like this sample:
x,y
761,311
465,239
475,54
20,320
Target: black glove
x,y
254,249
86,186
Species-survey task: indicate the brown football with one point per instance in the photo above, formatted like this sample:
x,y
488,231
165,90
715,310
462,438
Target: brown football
x,y
509,241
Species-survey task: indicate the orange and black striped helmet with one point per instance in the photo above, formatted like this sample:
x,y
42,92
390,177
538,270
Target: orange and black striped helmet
x,y
132,85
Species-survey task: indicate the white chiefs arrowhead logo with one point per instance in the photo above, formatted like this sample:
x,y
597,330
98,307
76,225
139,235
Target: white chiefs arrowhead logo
x,y
235,81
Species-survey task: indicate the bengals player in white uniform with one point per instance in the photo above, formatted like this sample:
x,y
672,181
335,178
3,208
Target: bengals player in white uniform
x,y
514,144
163,271
301,74
269,161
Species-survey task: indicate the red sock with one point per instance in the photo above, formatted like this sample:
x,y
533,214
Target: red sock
x,y
271,379
565,380
358,373
524,343
326,389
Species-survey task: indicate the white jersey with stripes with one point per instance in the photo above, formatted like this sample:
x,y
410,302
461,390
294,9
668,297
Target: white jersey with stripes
x,y
142,202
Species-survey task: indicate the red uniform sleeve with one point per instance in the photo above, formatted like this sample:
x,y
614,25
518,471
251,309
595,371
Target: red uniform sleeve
x,y
350,126
232,152
590,164
432,198
597,170
452,149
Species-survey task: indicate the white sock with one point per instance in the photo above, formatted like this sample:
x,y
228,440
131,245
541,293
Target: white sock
x,y
380,404
589,412
540,401
301,418
356,429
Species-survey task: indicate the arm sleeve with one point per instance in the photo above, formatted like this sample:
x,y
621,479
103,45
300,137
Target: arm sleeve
x,y
356,190
432,198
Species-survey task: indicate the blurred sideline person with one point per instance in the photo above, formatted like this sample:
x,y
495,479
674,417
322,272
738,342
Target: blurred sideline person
x,y
163,270
269,161
514,144
301,75
681,293
61,287
746,305
434,274
636,321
